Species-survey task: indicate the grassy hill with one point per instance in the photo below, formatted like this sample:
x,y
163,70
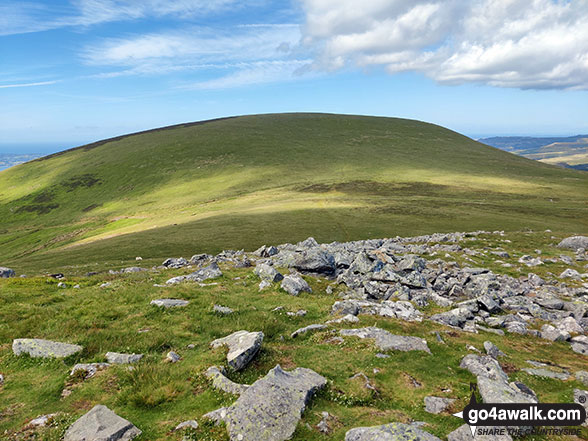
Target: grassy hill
x,y
241,182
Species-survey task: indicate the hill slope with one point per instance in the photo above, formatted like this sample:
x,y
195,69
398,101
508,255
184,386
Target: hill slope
x,y
245,181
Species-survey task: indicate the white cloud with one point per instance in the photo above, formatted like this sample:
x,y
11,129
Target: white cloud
x,y
248,54
31,16
41,83
506,43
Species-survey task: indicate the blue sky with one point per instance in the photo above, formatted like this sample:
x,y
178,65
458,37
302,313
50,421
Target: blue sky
x,y
76,71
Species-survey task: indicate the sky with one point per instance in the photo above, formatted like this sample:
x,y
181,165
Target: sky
x,y
76,71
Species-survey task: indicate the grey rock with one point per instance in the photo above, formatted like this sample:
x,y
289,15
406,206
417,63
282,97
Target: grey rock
x,y
243,346
349,318
530,261
386,341
172,357
173,262
270,409
309,328
5,273
489,304
582,377
389,432
132,269
309,242
492,350
315,260
101,424
269,273
456,317
574,243
264,284
547,373
549,302
437,405
89,369
189,424
570,274
499,391
569,325
293,284
169,303
211,271
224,310
580,348
549,332
265,251
199,259
121,358
37,347
221,382
483,366
42,421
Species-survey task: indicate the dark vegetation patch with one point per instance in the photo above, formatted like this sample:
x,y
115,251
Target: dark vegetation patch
x,y
91,207
44,196
37,208
87,180
375,188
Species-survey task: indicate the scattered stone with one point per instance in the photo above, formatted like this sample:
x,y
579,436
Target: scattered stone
x,y
221,382
101,424
89,369
270,409
212,271
172,357
120,358
386,341
243,346
42,420
106,285
224,310
309,328
492,350
190,424
61,285
380,355
132,269
268,273
36,347
437,405
547,373
293,284
299,313
170,303
389,432
530,261
349,318
5,273
264,284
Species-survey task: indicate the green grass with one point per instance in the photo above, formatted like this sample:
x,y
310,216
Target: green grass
x,y
242,182
156,396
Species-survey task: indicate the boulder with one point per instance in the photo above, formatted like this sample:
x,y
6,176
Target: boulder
x,y
5,273
221,382
37,347
101,424
174,262
224,310
169,303
211,271
546,373
270,409
293,284
456,318
574,243
549,332
120,358
570,274
315,260
243,346
389,432
492,350
267,272
386,341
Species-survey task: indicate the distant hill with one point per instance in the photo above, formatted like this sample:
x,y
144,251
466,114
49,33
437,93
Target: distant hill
x,y
571,152
245,181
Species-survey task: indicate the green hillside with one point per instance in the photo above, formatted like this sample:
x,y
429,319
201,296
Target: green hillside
x,y
241,182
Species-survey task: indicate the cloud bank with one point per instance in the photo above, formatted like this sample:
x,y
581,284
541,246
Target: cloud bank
x,y
536,44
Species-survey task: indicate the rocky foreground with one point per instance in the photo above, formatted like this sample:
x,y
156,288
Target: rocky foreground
x,y
413,280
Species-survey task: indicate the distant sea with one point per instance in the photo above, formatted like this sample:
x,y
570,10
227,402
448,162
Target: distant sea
x,y
8,160
17,153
